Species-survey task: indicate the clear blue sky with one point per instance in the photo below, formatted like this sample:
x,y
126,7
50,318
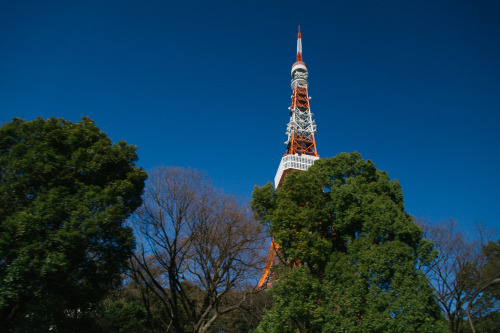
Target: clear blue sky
x,y
412,85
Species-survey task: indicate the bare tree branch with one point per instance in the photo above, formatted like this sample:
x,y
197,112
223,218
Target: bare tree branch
x,y
454,273
196,246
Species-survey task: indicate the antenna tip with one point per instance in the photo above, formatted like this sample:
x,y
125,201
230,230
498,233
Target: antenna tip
x,y
299,35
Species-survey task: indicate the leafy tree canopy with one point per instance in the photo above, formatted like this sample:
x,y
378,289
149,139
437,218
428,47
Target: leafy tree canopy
x,y
65,190
355,250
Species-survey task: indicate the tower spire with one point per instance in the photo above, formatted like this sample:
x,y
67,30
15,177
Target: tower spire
x,y
299,46
300,146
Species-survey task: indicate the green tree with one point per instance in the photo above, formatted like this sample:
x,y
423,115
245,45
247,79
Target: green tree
x,y
65,190
350,252
123,311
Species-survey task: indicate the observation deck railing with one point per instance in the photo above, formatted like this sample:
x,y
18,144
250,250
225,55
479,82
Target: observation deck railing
x,y
297,162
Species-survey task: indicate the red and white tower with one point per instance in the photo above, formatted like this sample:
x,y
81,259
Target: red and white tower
x,y
300,146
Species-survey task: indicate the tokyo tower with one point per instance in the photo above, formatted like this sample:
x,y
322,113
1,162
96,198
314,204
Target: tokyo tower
x,y
300,146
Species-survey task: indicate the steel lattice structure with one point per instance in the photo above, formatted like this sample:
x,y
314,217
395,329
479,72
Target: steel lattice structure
x,y
301,146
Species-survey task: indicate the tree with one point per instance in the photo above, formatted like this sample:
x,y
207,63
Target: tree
x,y
486,298
246,318
464,274
65,192
350,252
199,249
123,310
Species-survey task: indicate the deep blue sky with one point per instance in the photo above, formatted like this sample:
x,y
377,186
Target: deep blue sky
x,y
412,85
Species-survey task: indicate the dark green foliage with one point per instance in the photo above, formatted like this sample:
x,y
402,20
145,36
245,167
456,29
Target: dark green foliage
x,y
65,191
484,305
125,317
342,225
122,312
299,299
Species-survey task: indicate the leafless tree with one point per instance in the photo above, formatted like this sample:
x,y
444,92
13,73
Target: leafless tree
x,y
196,248
455,274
